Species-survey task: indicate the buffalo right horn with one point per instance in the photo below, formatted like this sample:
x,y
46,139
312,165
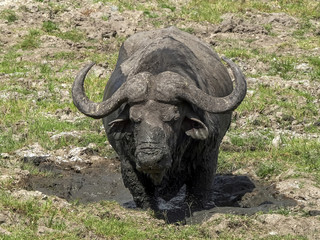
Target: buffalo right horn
x,y
92,109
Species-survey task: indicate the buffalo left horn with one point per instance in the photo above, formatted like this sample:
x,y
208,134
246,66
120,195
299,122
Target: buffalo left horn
x,y
213,104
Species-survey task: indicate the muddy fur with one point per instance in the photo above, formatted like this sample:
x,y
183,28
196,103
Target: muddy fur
x,y
194,161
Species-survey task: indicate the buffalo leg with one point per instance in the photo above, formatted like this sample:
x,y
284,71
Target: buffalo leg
x,y
200,185
139,186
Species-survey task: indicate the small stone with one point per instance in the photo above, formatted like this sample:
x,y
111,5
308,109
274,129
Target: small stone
x,y
4,232
314,212
109,34
92,146
65,135
43,230
3,218
303,67
276,141
114,8
317,123
287,118
4,156
279,114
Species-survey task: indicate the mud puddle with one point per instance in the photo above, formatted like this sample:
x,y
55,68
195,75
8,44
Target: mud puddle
x,y
234,194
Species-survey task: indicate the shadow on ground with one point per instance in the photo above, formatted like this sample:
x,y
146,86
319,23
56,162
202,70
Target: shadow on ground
x,y
233,194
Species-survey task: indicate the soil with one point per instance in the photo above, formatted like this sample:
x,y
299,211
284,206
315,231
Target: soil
x,y
100,179
82,174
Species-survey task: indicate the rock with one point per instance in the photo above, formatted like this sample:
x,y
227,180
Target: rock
x,y
317,123
65,114
276,142
66,135
3,218
4,232
114,8
314,212
43,230
100,72
108,34
29,195
303,67
4,156
33,154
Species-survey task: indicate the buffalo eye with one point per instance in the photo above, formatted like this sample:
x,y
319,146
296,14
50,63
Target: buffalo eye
x,y
170,118
135,115
135,119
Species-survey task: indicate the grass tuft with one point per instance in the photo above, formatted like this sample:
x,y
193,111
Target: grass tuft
x,y
49,26
31,41
9,15
73,35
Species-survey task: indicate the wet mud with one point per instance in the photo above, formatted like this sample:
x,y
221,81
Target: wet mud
x,y
234,194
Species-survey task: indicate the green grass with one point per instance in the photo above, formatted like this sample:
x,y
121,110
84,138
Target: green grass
x,y
27,119
315,63
238,52
302,155
34,170
269,169
31,41
9,15
266,96
73,35
63,55
9,63
211,11
49,26
23,104
101,219
34,214
57,8
166,5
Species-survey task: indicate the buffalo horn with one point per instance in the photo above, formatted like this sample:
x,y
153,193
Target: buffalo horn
x,y
212,104
92,109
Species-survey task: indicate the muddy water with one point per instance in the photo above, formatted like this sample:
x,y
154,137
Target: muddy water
x,y
232,193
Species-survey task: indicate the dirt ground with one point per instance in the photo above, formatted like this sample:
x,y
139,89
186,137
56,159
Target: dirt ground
x,y
84,175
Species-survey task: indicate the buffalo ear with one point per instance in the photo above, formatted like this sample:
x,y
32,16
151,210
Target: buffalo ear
x,y
195,128
118,127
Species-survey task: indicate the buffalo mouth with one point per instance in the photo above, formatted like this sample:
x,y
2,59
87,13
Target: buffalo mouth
x,y
155,173
157,177
153,161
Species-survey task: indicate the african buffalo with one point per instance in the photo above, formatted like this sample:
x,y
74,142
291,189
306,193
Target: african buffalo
x,y
165,110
